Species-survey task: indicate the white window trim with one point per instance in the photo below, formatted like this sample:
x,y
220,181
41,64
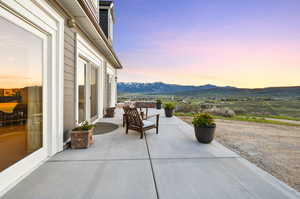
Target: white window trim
x,y
111,26
95,117
95,4
112,72
40,17
86,51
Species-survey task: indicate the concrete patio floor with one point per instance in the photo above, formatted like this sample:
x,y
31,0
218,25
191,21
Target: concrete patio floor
x,y
171,165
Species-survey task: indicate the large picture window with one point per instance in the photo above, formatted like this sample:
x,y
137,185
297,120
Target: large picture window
x,y
21,93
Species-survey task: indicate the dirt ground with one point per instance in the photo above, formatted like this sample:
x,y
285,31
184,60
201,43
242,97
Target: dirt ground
x,y
274,148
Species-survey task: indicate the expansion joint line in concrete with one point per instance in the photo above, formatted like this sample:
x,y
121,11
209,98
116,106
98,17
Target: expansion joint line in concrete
x,y
151,165
99,160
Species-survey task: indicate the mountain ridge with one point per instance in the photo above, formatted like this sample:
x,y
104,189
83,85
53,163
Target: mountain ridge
x,y
207,89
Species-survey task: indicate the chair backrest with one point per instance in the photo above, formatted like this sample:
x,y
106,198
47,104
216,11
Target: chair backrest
x,y
133,117
126,109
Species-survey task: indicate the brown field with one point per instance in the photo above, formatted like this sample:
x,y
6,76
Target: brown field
x,y
274,148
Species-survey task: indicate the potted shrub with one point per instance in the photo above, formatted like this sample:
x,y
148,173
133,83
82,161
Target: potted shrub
x,y
82,136
205,127
158,104
169,109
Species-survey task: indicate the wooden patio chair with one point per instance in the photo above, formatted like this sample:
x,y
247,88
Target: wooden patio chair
x,y
125,109
135,122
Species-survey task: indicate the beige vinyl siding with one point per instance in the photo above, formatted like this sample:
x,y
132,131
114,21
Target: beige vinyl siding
x,y
69,81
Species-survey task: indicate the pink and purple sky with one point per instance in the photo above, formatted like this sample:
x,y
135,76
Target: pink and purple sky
x,y
247,44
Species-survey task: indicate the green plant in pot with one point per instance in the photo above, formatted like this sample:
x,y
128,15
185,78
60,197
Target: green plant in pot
x,y
158,104
205,127
169,108
82,136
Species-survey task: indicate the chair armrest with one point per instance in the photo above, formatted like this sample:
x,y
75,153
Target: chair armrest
x,y
157,118
155,115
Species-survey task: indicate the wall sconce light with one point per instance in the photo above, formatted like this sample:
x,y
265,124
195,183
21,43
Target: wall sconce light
x,y
71,23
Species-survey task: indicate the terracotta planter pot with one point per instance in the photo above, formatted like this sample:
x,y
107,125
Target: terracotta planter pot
x,y
81,139
205,134
169,112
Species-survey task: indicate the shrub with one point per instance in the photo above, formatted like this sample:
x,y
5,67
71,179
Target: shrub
x,y
158,101
85,126
204,120
240,111
225,112
187,108
169,105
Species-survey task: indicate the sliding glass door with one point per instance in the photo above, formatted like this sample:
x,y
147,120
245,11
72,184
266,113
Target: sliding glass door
x,y
94,91
21,92
87,90
81,90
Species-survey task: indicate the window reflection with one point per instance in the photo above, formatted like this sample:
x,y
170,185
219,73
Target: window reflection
x,y
94,92
81,90
21,100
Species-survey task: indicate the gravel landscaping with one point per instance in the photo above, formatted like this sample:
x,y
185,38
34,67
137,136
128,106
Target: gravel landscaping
x,y
274,148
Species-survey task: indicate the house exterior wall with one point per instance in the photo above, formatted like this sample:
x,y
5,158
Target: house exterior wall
x,y
66,42
69,81
70,60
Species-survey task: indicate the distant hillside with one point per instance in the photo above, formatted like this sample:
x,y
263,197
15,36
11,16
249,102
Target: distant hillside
x,y
267,92
160,88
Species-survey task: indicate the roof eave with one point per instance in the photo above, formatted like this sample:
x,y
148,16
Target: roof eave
x,y
83,16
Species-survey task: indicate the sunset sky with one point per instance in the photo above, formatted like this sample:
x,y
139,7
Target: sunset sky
x,y
248,44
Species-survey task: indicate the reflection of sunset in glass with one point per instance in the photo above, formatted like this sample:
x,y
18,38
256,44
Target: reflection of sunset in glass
x,y
237,43
21,93
19,66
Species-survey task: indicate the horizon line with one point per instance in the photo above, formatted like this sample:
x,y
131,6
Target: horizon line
x,y
208,84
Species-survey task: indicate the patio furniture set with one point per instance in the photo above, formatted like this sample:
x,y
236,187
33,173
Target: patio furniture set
x,y
134,118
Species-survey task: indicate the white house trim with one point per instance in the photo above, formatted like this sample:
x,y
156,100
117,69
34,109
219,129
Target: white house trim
x,y
110,70
86,51
39,18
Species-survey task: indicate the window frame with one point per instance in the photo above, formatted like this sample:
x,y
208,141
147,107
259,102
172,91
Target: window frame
x,y
85,51
96,68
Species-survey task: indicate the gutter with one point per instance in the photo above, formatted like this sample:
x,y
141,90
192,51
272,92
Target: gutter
x,y
98,28
86,14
